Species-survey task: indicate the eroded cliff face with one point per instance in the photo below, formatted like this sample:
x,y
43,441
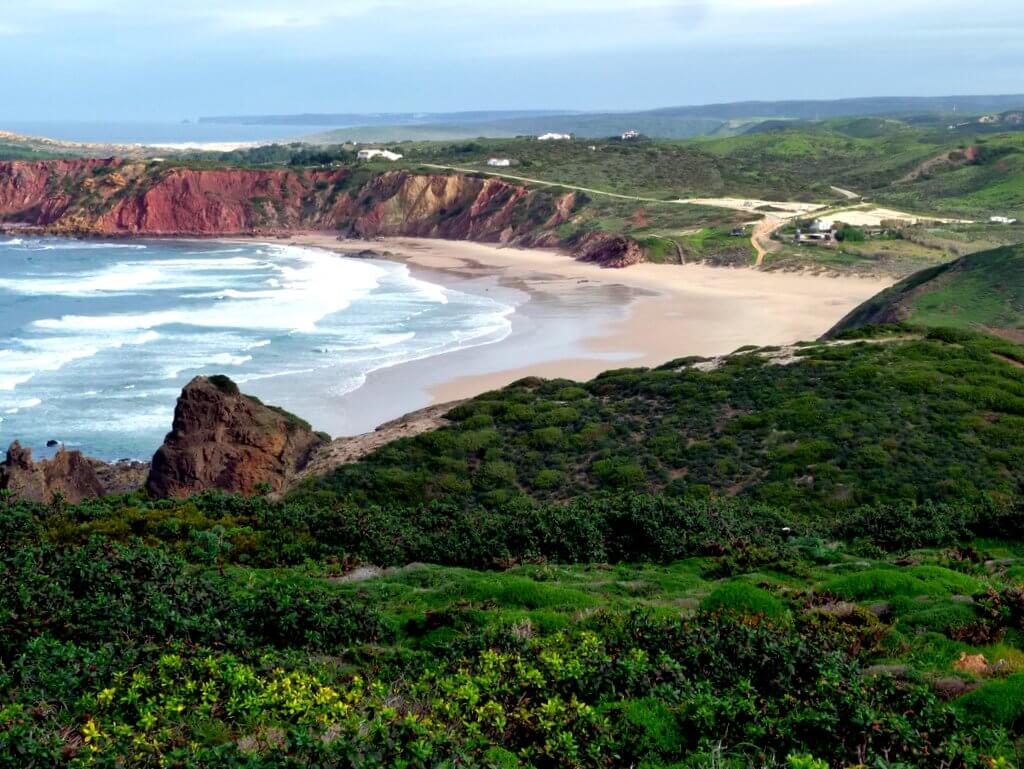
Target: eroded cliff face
x,y
123,197
71,474
222,439
68,473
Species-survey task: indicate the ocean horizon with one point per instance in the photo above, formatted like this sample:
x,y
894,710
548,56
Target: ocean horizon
x,y
129,132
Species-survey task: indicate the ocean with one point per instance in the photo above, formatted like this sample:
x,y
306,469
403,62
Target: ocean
x,y
98,338
160,133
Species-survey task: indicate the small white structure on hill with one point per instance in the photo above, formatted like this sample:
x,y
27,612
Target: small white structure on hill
x,y
823,225
630,135
549,137
385,154
499,162
1002,220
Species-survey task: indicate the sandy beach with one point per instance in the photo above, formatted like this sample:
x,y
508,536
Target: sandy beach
x,y
579,319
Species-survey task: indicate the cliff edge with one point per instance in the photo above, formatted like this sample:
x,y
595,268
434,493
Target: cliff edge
x,y
119,197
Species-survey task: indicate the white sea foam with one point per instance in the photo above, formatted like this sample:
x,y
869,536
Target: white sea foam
x,y
36,244
203,311
132,277
16,406
29,358
317,285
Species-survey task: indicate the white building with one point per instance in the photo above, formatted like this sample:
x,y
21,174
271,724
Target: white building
x,y
555,137
499,162
1002,220
823,225
385,154
630,134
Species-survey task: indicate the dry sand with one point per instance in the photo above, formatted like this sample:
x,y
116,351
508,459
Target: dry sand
x,y
675,310
752,205
875,216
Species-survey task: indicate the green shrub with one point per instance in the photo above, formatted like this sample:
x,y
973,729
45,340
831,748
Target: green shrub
x,y
745,599
997,702
618,474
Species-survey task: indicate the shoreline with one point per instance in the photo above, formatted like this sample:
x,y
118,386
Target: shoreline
x,y
651,314
571,320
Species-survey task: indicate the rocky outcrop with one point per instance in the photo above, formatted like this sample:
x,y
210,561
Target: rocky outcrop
x,y
222,439
608,250
69,473
132,197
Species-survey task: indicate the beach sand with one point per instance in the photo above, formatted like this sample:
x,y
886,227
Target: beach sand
x,y
581,319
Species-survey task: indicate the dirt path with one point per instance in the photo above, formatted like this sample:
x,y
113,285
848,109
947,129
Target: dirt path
x,y
848,194
760,238
345,451
562,185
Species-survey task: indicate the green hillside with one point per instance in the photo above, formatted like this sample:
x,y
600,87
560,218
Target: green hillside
x,y
932,171
827,573
835,427
981,291
665,123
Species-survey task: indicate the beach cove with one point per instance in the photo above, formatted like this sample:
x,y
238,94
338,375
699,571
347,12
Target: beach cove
x,y
580,319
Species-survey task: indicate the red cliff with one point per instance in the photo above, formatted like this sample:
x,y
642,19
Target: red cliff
x,y
127,197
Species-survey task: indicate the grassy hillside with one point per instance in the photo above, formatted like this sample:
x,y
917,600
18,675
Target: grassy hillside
x,y
830,577
888,161
936,418
980,291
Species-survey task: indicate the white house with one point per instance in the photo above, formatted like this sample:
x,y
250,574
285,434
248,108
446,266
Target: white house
x,y
385,154
630,134
1002,220
554,137
499,162
823,225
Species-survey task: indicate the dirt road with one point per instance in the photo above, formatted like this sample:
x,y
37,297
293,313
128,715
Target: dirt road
x,y
760,238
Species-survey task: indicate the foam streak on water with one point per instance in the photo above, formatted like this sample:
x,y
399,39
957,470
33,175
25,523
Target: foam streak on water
x,y
97,339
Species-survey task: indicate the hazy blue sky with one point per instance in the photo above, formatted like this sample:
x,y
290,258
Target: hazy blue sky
x,y
174,59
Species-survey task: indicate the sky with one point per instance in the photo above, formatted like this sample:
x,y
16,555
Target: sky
x,y
155,60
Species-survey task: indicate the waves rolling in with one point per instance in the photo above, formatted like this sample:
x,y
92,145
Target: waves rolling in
x,y
97,339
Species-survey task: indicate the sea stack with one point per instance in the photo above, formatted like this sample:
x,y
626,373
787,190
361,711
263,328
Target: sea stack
x,y
222,439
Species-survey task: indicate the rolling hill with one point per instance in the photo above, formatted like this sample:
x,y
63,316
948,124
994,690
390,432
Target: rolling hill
x,y
664,123
982,291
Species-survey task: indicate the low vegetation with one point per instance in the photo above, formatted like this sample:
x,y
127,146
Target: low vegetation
x,y
935,416
807,560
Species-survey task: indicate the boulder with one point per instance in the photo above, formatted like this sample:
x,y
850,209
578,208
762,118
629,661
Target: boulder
x,y
222,439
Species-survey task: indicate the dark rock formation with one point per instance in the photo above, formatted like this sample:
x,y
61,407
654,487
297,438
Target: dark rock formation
x,y
222,439
68,473
608,250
